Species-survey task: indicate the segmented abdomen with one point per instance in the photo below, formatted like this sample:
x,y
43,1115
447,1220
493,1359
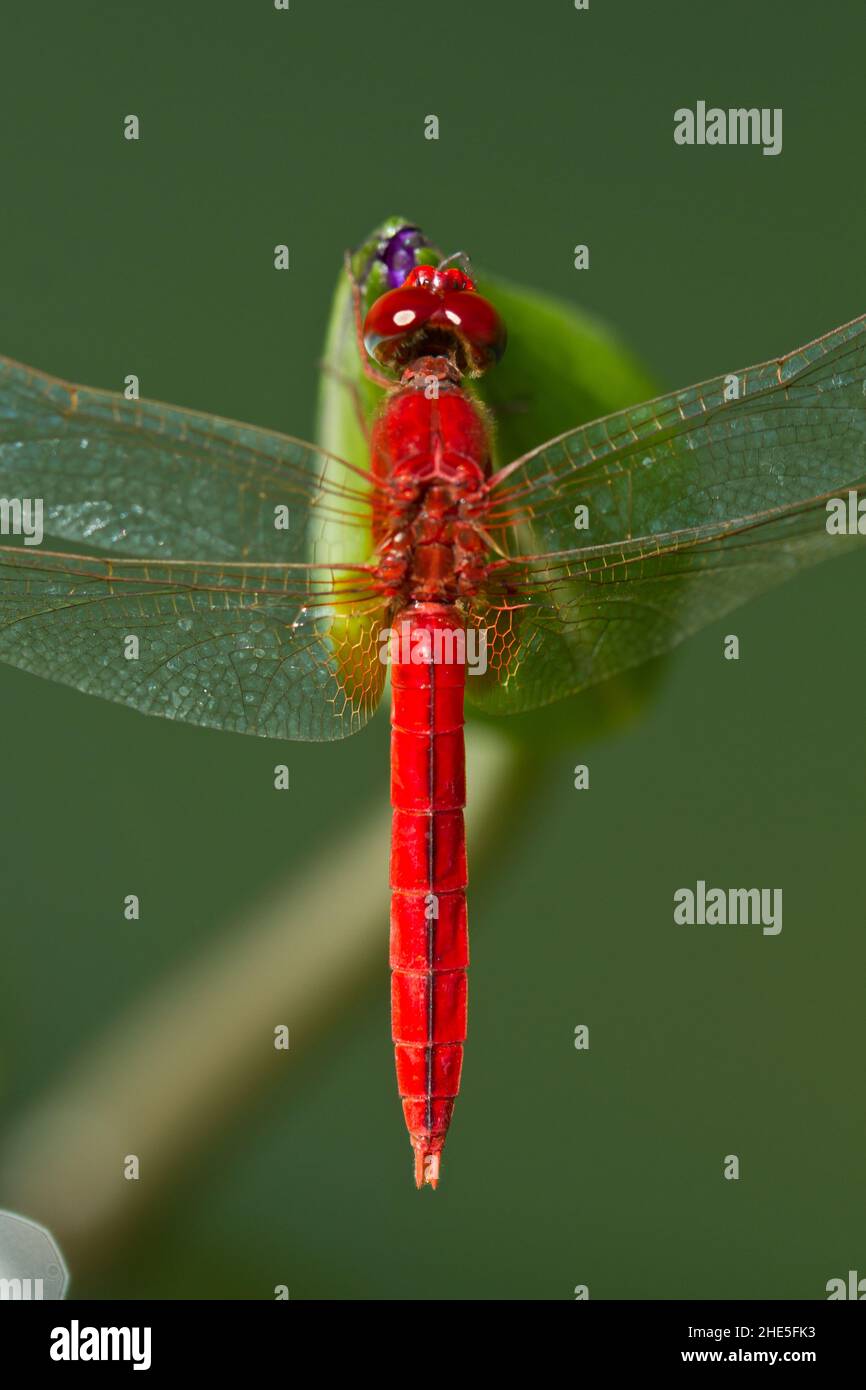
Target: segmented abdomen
x,y
429,944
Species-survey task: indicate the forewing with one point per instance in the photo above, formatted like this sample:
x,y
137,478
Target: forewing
x,y
142,478
234,620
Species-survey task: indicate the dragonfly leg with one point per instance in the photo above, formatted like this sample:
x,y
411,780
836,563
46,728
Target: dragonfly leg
x,y
352,387
366,365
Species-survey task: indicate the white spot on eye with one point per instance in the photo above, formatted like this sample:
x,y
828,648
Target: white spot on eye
x,y
404,316
450,314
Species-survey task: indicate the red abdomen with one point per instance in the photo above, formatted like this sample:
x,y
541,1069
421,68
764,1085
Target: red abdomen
x,y
429,945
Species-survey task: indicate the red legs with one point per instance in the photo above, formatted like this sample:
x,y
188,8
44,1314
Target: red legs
x,y
490,542
460,258
366,365
352,387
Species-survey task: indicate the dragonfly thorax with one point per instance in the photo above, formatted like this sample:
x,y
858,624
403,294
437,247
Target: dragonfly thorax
x,y
436,555
431,454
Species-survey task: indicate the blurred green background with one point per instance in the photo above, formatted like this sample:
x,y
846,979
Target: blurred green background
x,y
562,1168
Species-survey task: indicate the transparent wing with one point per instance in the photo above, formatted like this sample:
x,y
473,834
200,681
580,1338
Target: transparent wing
x,y
237,620
140,477
236,647
695,502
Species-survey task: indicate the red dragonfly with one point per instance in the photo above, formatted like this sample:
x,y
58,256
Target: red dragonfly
x,y
269,584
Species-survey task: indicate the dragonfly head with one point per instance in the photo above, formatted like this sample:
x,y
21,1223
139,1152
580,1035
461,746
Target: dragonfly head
x,y
437,311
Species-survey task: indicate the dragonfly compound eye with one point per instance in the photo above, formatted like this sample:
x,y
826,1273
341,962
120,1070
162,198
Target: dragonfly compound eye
x,y
435,313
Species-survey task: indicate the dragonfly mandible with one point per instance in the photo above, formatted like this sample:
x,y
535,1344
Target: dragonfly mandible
x,y
499,587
